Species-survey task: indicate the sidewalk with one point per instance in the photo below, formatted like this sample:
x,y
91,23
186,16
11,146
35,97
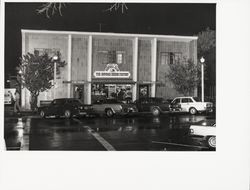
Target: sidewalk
x,y
9,113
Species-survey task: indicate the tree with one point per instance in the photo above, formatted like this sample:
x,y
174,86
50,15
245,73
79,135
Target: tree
x,y
206,42
184,74
206,47
37,73
52,8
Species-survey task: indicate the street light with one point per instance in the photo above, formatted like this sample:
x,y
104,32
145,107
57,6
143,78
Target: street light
x,y
55,58
202,60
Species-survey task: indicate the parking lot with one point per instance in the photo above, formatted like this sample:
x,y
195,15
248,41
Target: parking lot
x,y
169,132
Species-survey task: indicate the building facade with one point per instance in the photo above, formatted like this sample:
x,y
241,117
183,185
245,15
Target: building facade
x,y
109,65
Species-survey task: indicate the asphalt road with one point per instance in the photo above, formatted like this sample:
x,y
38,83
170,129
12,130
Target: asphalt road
x,y
134,133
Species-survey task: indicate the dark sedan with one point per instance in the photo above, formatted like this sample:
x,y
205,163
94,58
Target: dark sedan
x,y
156,106
66,107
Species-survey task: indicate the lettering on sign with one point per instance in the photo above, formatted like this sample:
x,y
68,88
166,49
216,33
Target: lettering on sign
x,y
112,71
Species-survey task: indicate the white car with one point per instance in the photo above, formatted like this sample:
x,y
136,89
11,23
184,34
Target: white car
x,y
205,129
190,104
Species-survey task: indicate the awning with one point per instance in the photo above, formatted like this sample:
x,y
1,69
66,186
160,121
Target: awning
x,y
149,82
113,81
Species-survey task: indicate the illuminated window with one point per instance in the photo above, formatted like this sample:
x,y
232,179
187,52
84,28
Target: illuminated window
x,y
164,58
119,57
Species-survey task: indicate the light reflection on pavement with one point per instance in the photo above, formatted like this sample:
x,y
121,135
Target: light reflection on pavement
x,y
165,133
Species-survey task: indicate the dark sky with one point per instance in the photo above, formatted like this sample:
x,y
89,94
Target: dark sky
x,y
146,18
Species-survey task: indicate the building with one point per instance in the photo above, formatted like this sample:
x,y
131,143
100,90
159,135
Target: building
x,y
99,65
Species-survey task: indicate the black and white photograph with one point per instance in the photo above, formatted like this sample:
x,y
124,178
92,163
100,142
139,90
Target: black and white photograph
x,y
110,76
125,95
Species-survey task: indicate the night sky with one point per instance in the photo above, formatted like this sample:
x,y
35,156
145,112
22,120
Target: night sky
x,y
161,18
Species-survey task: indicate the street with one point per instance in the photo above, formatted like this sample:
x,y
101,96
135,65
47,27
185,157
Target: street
x,y
132,133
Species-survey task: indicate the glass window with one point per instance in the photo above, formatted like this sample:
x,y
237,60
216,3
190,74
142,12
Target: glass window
x,y
176,101
170,57
207,122
102,57
197,99
164,58
75,101
119,58
60,102
186,100
50,52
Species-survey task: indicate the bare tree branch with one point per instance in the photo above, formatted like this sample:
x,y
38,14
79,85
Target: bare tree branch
x,y
116,6
50,9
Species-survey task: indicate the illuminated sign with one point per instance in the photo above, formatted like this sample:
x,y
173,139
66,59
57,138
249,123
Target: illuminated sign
x,y
112,71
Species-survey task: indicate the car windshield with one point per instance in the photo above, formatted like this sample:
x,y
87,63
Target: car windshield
x,y
197,99
76,101
58,101
113,101
210,122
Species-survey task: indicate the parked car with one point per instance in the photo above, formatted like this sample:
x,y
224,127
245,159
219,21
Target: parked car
x,y
206,130
156,106
111,107
191,105
67,107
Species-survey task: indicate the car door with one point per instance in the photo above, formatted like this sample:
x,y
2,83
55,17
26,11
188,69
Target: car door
x,y
98,106
186,103
57,107
145,105
175,104
138,105
52,107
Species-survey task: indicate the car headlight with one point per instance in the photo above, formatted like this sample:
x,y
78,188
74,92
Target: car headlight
x,y
191,131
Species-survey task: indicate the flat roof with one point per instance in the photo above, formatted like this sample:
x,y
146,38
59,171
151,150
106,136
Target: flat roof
x,y
121,35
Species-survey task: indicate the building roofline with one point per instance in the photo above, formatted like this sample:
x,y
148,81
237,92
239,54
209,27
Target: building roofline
x,y
107,34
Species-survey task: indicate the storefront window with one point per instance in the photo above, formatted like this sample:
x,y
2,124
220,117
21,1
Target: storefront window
x,y
120,92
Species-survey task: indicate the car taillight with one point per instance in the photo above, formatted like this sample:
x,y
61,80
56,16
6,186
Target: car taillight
x,y
209,105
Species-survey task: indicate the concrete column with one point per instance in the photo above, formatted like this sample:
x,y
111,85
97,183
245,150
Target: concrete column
x,y
89,72
23,95
135,67
69,63
153,66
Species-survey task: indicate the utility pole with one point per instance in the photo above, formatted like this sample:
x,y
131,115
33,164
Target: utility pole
x,y
202,60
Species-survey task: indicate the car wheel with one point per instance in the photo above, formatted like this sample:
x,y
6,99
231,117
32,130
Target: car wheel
x,y
211,141
192,111
67,114
155,112
109,113
42,114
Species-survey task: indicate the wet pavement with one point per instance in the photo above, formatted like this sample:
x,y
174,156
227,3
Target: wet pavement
x,y
133,133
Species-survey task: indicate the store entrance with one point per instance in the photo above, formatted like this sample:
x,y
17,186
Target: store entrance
x,y
121,92
78,92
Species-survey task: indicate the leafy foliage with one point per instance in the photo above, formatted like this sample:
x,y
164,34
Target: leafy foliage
x,y
206,42
37,73
184,74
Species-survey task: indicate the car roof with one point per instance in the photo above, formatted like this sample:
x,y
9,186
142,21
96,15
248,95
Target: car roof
x,y
184,97
149,98
66,99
